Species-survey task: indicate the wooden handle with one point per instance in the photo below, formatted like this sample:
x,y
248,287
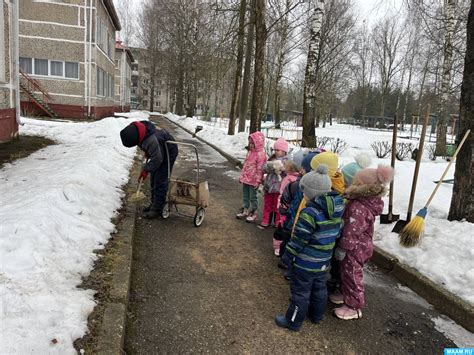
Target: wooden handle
x,y
392,163
140,181
447,168
418,162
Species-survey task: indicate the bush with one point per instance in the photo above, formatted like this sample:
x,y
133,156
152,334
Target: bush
x,y
321,142
381,148
404,150
431,149
338,146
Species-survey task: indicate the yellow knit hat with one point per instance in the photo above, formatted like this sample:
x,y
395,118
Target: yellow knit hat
x,y
328,158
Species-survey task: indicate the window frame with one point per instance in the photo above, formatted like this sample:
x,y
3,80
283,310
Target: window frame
x,y
49,75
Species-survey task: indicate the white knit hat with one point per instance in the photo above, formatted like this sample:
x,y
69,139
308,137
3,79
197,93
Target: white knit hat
x,y
316,183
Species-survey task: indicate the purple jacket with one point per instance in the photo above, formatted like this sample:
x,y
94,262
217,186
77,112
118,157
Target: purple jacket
x,y
358,230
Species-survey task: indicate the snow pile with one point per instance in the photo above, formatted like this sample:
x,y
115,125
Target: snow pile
x,y
56,208
446,252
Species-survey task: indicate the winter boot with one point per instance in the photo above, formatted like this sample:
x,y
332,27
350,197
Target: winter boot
x,y
281,321
347,313
252,217
153,213
244,212
147,208
336,297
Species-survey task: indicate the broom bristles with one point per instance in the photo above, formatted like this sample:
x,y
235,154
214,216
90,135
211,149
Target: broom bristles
x,y
137,197
411,234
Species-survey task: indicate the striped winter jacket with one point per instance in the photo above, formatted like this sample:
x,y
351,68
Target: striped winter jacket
x,y
315,233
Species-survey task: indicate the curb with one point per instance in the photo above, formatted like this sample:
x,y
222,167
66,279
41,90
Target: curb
x,y
441,299
230,158
112,330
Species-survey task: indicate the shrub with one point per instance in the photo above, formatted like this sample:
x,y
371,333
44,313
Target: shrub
x,y
381,148
404,150
338,145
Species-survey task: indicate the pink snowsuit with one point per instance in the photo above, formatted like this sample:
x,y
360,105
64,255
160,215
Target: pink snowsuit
x,y
356,239
252,171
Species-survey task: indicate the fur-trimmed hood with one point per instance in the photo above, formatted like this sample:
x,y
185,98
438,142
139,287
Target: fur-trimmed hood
x,y
368,195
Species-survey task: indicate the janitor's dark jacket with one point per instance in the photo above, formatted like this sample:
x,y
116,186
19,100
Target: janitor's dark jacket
x,y
152,142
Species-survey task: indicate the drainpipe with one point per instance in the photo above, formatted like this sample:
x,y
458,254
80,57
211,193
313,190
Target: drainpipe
x,y
90,61
16,58
86,68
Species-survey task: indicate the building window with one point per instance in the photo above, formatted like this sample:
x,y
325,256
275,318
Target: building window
x,y
103,38
26,64
72,70
2,46
53,68
105,84
56,68
41,67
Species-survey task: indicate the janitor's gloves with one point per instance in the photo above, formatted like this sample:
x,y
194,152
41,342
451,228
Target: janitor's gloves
x,y
143,175
339,254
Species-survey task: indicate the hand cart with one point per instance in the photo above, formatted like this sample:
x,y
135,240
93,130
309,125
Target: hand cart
x,y
182,192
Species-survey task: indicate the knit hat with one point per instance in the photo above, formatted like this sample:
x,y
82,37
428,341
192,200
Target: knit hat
x,y
328,158
281,144
298,158
306,163
129,136
380,176
362,161
316,183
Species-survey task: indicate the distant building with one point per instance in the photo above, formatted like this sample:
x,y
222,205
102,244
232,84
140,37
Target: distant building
x,y
67,57
123,77
8,68
209,101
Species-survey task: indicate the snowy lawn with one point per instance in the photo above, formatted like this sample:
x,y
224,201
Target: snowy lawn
x,y
446,253
56,209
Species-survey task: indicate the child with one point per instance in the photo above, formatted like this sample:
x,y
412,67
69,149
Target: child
x,y
292,174
355,246
152,141
310,249
362,161
272,182
332,161
251,176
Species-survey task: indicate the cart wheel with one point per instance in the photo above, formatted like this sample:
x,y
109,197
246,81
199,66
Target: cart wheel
x,y
199,216
165,213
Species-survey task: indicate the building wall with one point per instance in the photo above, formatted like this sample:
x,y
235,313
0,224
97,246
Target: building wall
x,y
8,123
123,80
58,30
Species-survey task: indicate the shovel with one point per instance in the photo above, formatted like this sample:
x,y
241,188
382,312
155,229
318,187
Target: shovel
x,y
401,223
139,195
390,217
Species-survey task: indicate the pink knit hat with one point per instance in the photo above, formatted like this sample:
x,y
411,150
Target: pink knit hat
x,y
281,144
380,176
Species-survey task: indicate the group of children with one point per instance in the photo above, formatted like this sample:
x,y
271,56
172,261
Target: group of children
x,y
325,222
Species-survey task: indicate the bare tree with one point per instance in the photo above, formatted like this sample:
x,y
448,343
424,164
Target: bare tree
x,y
311,73
259,73
387,36
462,203
238,69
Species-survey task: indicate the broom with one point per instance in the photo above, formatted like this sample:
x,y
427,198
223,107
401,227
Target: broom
x,y
139,195
411,234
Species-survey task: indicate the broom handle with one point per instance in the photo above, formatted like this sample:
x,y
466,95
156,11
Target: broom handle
x,y
392,163
418,162
139,186
447,168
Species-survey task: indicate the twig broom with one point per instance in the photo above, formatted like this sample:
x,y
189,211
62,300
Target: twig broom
x,y
411,234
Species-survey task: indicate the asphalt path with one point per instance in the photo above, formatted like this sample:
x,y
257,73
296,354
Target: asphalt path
x,y
217,289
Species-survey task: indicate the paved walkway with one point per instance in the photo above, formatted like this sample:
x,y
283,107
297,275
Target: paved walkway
x,y
217,288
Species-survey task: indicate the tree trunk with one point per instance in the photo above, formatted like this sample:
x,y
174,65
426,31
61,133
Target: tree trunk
x,y
238,69
442,125
309,95
180,89
462,203
244,98
259,74
422,86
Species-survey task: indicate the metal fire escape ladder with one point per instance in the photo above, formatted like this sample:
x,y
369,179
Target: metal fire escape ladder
x,y
36,93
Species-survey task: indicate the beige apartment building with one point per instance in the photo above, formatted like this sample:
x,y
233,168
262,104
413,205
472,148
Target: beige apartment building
x,y
67,57
123,77
9,99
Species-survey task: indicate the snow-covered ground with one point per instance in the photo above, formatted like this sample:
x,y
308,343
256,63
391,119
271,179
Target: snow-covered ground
x,y
446,253
56,208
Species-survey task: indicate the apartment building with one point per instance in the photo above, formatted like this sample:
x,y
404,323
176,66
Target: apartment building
x,y
123,77
67,57
9,116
